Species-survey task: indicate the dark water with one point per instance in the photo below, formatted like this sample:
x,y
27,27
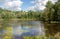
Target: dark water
x,y
16,29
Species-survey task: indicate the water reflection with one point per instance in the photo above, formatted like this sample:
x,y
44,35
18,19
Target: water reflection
x,y
17,29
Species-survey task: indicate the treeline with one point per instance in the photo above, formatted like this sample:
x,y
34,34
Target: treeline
x,y
50,13
7,14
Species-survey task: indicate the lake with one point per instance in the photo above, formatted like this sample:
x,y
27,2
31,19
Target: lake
x,y
17,29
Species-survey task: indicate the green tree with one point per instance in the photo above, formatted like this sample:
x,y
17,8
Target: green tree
x,y
49,11
57,11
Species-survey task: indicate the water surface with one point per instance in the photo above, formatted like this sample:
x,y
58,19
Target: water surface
x,y
17,29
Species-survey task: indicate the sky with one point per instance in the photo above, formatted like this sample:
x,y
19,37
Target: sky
x,y
25,5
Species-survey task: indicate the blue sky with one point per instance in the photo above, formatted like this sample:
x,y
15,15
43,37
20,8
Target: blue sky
x,y
18,5
26,4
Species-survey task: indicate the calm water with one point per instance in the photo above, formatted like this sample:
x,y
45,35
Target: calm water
x,y
17,29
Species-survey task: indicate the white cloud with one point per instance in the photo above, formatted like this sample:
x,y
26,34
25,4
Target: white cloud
x,y
53,1
16,4
12,4
39,4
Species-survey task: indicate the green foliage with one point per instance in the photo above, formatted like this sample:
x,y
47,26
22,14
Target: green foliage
x,y
57,11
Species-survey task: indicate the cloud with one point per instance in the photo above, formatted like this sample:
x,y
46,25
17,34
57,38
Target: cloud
x,y
39,4
16,4
12,4
53,1
36,8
